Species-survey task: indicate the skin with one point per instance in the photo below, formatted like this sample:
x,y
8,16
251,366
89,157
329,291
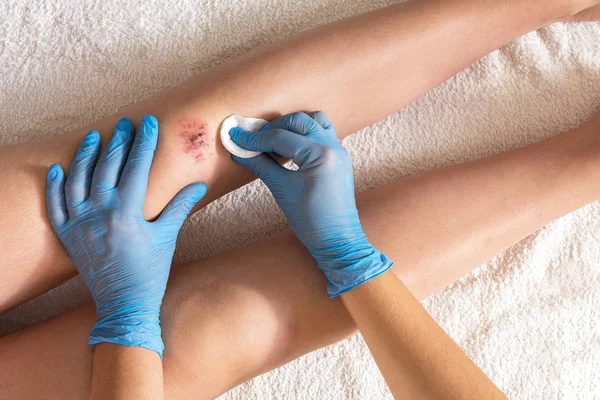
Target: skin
x,y
416,357
239,314
251,85
122,373
231,317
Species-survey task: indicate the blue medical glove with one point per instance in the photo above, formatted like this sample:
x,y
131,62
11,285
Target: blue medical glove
x,y
123,259
318,198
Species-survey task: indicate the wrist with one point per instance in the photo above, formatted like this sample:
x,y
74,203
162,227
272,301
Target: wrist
x,y
128,321
132,333
349,263
123,308
343,252
345,275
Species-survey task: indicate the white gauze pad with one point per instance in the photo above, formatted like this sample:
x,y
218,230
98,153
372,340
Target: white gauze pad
x,y
249,124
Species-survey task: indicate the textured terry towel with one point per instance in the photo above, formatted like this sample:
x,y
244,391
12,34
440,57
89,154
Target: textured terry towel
x,y
529,318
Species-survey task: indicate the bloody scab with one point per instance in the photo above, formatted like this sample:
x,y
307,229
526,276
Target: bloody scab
x,y
195,138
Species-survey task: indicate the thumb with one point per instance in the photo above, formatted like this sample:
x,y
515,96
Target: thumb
x,y
180,206
247,140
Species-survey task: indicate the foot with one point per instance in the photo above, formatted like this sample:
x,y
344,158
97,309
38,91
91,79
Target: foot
x,y
589,14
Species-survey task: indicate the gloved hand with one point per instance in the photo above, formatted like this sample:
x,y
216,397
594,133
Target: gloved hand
x,y
317,199
123,259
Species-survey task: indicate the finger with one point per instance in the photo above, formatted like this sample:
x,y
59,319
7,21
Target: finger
x,y
284,143
180,206
263,166
55,197
134,179
297,122
321,118
112,159
77,186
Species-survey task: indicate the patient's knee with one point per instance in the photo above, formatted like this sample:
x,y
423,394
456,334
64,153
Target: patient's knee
x,y
219,333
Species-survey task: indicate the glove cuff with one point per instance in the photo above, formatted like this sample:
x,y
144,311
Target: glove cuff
x,y
341,279
145,334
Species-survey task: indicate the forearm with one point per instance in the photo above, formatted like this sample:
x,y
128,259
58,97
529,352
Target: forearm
x,y
122,372
416,357
357,70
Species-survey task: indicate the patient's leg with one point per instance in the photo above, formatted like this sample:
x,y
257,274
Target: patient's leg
x,y
357,71
228,318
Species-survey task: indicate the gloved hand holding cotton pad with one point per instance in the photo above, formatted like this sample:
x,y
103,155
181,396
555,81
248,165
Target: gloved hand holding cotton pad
x,y
248,124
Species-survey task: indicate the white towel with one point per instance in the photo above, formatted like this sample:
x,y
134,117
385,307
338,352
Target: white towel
x,y
529,318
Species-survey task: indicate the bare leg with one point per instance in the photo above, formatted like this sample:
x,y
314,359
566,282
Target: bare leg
x,y
357,70
231,317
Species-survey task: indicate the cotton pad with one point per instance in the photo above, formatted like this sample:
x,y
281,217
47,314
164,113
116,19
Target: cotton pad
x,y
249,124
